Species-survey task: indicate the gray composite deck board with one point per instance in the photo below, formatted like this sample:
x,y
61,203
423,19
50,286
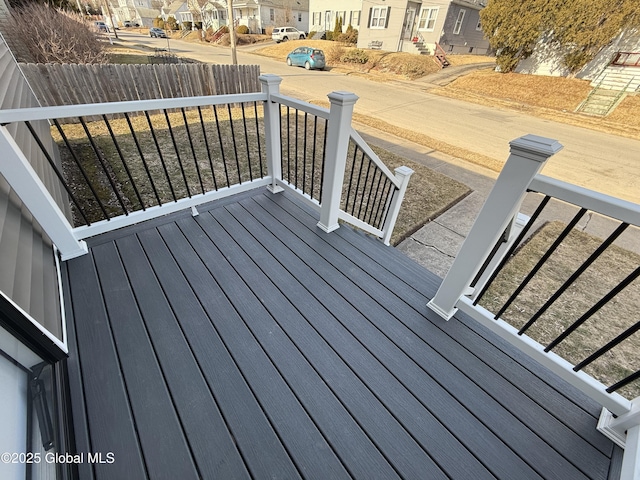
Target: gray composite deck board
x,y
258,346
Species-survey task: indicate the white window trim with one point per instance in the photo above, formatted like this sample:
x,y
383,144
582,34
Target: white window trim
x,y
459,21
428,9
479,25
373,16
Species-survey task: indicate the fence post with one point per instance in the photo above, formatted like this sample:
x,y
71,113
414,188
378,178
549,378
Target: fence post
x,y
527,157
24,180
402,175
335,158
271,85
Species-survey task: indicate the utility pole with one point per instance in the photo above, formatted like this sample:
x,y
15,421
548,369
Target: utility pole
x,y
111,18
232,32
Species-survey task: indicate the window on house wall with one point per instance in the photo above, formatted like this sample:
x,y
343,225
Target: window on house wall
x,y
355,18
458,25
479,25
272,15
379,17
299,16
317,18
428,17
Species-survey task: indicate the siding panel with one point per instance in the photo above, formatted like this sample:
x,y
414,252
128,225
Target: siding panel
x,y
27,266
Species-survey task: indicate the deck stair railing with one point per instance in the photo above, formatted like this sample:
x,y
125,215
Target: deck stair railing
x,y
514,280
440,56
122,163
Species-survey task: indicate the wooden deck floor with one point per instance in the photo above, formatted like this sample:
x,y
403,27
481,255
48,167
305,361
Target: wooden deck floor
x,y
246,343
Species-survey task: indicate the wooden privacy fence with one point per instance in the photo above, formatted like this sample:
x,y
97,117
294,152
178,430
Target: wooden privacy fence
x,y
73,84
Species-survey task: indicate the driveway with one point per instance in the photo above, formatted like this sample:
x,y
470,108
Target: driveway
x,y
599,161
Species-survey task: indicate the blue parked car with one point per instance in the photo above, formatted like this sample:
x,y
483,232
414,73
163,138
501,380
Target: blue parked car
x,y
306,57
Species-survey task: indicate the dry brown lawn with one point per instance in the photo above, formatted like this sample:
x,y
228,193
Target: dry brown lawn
x,y
604,274
554,98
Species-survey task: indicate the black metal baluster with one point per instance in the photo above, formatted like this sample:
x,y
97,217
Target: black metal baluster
x,y
324,161
193,150
592,258
505,259
313,154
625,381
144,162
175,147
206,144
295,148
359,176
255,109
353,168
235,146
288,145
59,174
387,202
382,205
84,175
124,163
224,158
364,188
281,142
376,196
539,265
612,344
162,162
304,155
601,303
104,166
246,137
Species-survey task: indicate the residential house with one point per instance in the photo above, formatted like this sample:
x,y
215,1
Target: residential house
x,y
141,12
178,10
323,14
398,25
260,15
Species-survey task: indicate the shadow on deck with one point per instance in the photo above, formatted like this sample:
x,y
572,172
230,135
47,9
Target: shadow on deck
x,y
246,343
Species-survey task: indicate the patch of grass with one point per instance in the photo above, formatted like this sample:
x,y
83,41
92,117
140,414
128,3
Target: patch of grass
x,y
604,274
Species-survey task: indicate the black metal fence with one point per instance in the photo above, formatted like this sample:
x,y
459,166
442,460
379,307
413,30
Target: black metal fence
x,y
126,162
367,191
573,292
303,142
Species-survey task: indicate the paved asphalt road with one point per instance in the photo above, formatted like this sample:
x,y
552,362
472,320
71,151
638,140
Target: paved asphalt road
x,y
602,162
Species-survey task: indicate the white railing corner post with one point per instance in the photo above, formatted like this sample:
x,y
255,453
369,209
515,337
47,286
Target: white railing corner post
x,y
24,180
527,157
403,174
271,85
335,158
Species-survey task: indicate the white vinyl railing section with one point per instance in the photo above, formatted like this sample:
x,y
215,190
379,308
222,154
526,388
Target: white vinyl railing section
x,y
498,230
186,156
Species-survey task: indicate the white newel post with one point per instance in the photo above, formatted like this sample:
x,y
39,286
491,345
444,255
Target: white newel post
x,y
335,157
403,174
271,85
527,157
24,180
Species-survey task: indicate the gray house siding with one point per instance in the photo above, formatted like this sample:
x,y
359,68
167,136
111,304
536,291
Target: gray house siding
x,y
28,272
469,39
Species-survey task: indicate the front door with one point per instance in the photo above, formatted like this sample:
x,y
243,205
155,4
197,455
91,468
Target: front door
x,y
407,26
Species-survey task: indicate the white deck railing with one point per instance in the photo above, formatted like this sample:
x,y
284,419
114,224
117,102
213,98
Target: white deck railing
x,y
69,239
495,236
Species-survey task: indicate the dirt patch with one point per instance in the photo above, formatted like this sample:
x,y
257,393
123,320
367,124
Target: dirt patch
x,y
603,275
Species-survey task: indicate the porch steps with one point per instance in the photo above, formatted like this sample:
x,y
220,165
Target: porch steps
x,y
319,35
440,57
421,47
600,102
618,78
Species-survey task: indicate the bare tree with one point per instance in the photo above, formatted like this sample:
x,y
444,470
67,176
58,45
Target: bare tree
x,y
55,36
